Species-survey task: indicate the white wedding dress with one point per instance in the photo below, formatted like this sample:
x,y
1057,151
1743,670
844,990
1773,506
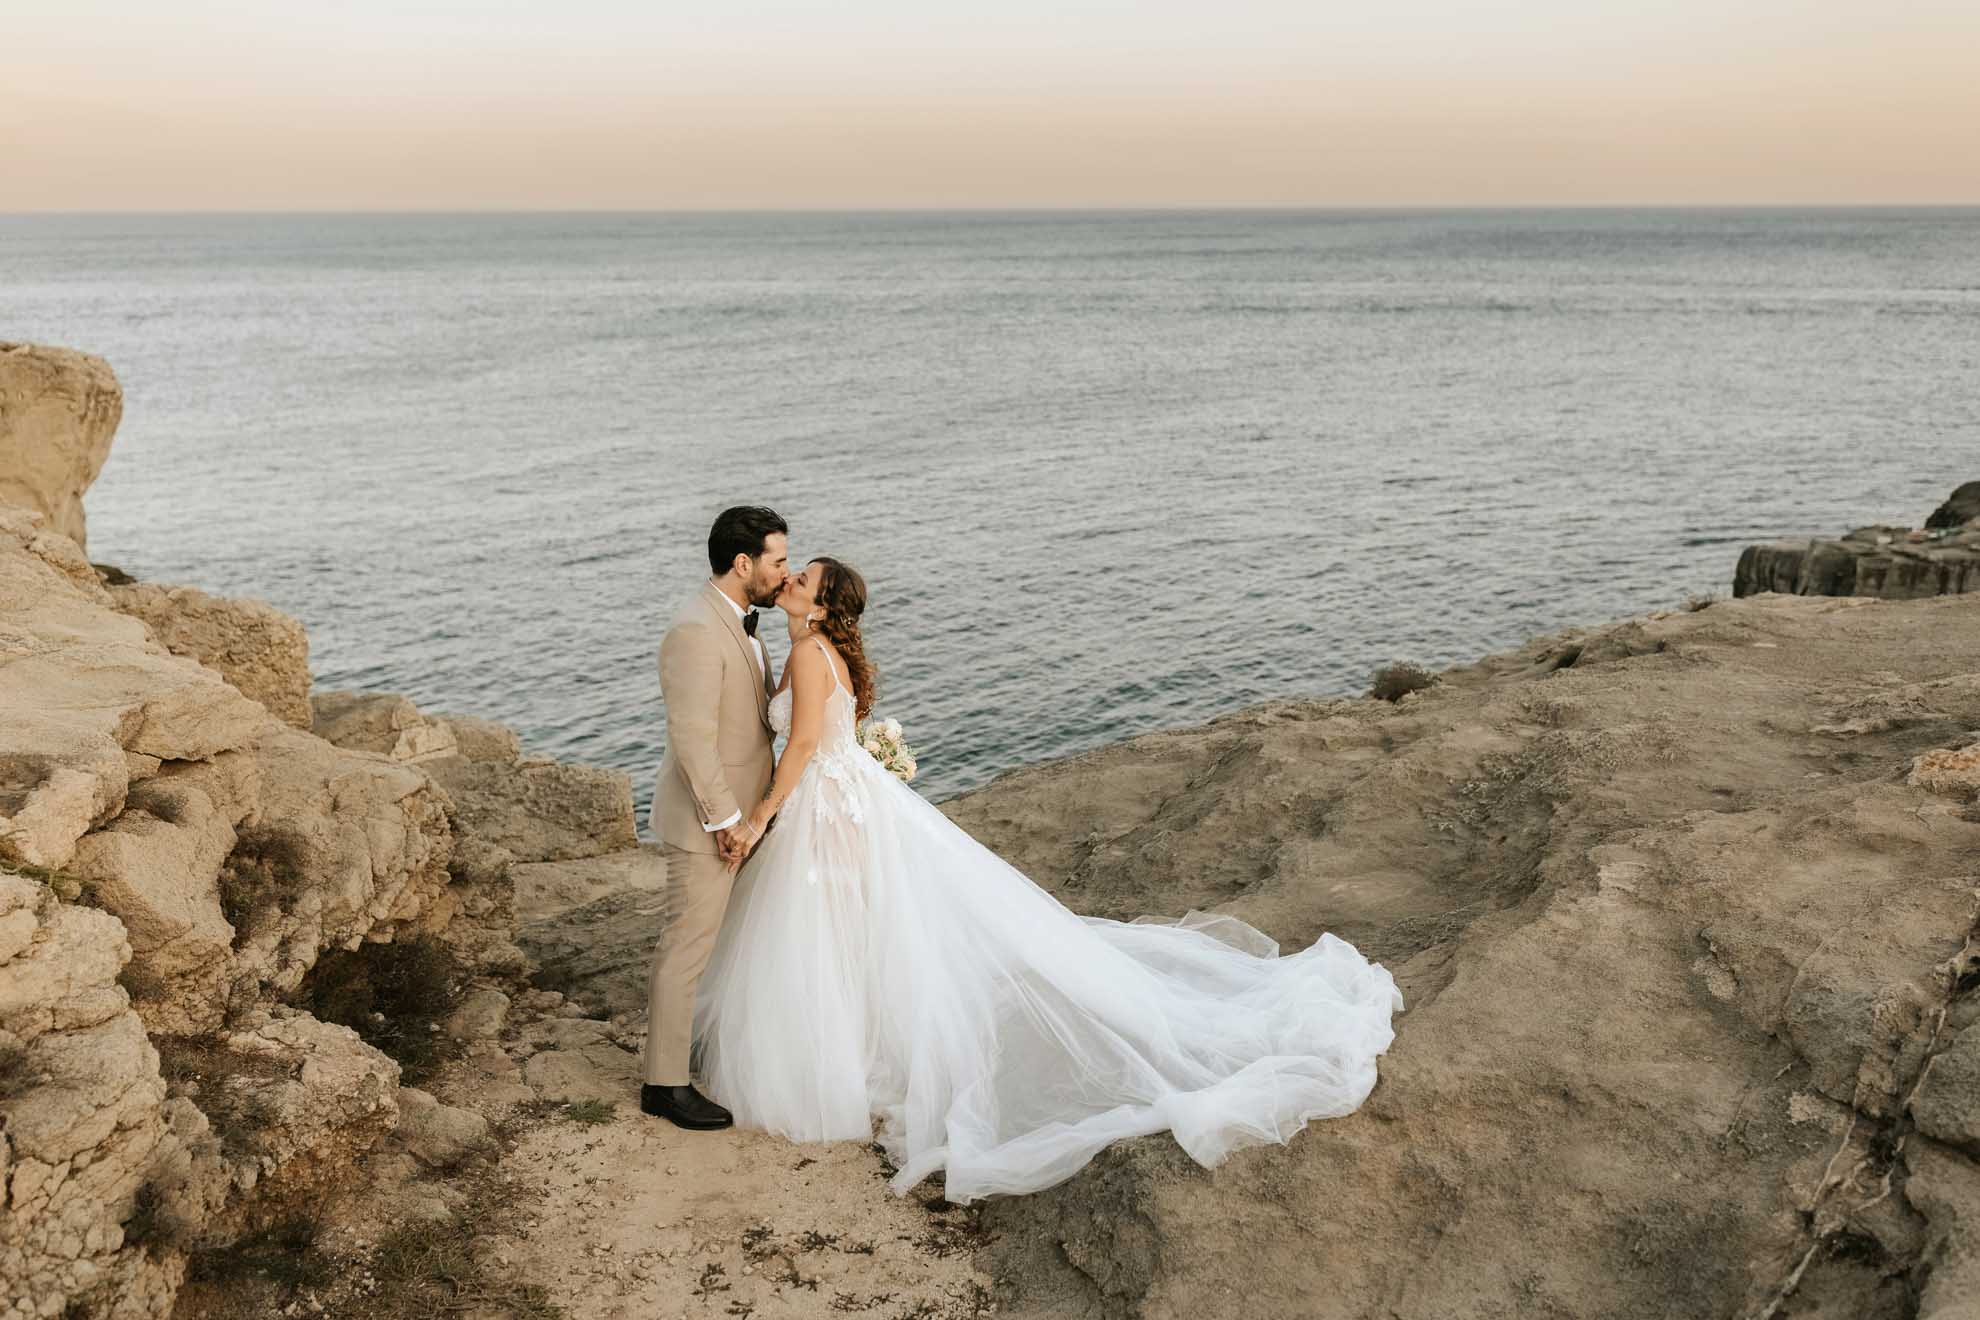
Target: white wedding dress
x,y
877,962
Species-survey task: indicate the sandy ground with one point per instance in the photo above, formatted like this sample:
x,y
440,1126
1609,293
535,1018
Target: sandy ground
x,y
638,1218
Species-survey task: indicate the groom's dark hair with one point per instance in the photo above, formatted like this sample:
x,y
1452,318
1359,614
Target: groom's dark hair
x,y
741,531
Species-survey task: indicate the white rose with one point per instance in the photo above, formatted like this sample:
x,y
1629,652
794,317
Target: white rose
x,y
892,728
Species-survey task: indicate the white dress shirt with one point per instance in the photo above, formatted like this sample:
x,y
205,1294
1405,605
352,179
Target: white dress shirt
x,y
762,667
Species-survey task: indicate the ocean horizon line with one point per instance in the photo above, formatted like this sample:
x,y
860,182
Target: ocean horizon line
x,y
1358,208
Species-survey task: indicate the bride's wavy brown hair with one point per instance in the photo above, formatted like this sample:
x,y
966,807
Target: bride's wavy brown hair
x,y
842,595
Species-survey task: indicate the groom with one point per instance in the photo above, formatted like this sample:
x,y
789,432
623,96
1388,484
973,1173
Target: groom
x,y
715,681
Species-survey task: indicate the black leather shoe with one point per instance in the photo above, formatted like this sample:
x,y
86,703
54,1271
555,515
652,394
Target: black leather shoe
x,y
683,1106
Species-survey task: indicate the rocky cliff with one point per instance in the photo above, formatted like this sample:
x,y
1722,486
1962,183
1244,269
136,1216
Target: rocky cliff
x,y
190,876
1686,910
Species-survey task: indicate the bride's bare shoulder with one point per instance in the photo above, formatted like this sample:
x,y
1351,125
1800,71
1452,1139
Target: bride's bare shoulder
x,y
811,655
823,658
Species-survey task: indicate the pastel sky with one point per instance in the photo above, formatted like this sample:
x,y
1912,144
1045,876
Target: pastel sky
x,y
661,104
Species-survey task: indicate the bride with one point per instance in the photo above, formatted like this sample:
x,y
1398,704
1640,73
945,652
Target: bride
x,y
880,973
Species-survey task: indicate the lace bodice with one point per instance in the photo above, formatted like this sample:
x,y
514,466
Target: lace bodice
x,y
831,781
840,726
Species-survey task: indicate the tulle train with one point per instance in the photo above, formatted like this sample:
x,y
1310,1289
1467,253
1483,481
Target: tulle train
x,y
878,963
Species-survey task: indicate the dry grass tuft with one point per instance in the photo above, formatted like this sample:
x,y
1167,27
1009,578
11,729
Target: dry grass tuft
x,y
394,996
590,1113
1395,681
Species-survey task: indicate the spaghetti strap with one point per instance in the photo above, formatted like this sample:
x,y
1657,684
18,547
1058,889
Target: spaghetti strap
x,y
833,669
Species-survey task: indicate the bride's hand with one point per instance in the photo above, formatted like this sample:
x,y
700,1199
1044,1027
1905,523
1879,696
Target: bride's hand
x,y
759,821
748,835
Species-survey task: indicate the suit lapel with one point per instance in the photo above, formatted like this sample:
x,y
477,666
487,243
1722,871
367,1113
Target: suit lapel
x,y
724,611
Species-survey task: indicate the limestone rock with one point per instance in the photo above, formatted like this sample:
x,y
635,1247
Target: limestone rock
x,y
1946,1190
239,872
540,811
480,1016
1951,772
1948,1105
84,695
439,1136
1895,563
382,723
483,740
293,1102
254,646
548,889
482,864
82,1120
341,848
157,867
598,954
1666,955
593,1072
59,410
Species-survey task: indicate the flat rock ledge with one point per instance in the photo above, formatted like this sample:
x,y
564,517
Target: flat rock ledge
x,y
1894,563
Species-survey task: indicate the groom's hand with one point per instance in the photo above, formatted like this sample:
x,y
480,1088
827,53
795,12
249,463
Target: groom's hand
x,y
730,843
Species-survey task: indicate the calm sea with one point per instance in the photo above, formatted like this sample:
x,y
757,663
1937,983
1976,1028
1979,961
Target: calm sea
x,y
1104,473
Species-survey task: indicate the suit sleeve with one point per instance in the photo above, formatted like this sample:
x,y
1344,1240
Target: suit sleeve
x,y
691,686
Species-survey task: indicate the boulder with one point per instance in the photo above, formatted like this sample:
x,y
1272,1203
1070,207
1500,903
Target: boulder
x,y
540,811
87,698
342,847
379,722
1949,771
480,1015
482,740
59,410
254,646
439,1136
1961,507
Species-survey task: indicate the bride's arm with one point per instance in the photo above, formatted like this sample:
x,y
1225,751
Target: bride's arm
x,y
811,683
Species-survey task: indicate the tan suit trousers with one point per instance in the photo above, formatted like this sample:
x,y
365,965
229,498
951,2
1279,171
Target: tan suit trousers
x,y
696,896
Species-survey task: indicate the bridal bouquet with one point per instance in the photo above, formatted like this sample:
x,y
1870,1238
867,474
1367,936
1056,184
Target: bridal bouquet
x,y
883,742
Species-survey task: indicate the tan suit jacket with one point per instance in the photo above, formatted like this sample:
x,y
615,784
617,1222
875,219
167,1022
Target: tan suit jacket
x,y
718,758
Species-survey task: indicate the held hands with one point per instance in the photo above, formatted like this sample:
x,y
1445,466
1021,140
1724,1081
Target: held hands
x,y
740,841
733,844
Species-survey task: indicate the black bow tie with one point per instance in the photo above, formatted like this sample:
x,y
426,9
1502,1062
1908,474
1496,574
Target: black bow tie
x,y
749,623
